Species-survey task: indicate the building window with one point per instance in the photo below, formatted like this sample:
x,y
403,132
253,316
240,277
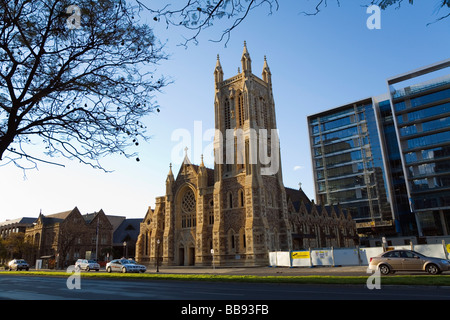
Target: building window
x,y
229,200
240,110
227,114
242,241
241,198
265,120
211,217
188,212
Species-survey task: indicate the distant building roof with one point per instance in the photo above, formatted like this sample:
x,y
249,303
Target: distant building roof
x,y
23,220
128,230
115,221
297,196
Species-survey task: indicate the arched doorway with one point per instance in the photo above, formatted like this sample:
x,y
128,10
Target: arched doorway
x,y
191,256
186,255
181,255
185,224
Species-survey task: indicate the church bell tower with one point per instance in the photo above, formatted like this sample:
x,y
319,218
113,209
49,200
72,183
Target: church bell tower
x,y
250,210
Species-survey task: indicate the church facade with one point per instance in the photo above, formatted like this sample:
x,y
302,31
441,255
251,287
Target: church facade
x,y
238,211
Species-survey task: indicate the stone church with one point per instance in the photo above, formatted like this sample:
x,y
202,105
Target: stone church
x,y
240,210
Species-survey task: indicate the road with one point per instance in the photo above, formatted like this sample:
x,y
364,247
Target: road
x,y
54,288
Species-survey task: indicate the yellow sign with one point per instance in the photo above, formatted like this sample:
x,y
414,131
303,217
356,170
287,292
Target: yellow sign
x,y
300,255
448,248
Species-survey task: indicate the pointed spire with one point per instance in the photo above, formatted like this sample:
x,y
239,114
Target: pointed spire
x,y
266,66
218,72
169,181
245,48
218,62
246,60
266,74
186,158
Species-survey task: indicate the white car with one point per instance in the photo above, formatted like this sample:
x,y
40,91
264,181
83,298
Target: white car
x,y
18,264
88,265
124,266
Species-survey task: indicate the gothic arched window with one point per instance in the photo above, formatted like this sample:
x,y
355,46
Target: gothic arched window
x,y
230,200
188,212
227,114
240,110
241,198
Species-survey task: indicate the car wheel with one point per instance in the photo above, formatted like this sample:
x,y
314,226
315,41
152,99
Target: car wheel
x,y
384,269
124,270
108,269
433,269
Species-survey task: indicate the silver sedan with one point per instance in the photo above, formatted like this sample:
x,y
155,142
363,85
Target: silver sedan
x,y
124,266
407,260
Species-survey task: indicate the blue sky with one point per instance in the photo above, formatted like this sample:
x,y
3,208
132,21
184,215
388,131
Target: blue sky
x,y
317,63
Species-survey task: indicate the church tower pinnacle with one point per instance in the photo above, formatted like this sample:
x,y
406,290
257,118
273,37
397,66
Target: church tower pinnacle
x,y
266,74
218,72
246,61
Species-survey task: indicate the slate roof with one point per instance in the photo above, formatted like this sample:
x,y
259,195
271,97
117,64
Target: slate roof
x,y
297,196
128,230
23,220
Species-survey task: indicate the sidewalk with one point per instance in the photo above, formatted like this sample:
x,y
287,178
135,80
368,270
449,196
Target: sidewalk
x,y
265,271
252,271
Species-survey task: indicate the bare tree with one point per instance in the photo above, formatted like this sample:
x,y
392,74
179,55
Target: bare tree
x,y
76,80
383,4
197,15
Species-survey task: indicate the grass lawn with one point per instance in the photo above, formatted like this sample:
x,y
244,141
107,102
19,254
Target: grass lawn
x,y
425,279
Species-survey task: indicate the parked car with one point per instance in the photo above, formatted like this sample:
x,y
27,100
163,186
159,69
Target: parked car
x,y
88,265
18,264
141,267
407,260
124,265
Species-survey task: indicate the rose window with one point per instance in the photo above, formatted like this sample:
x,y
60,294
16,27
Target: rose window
x,y
188,202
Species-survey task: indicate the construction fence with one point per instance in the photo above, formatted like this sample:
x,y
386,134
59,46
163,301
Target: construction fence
x,y
347,256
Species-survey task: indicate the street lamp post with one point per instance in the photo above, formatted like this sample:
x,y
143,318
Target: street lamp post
x,y
124,249
157,255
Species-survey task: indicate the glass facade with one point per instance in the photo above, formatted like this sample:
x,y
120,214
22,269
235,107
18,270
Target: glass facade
x,y
422,116
405,223
387,159
348,162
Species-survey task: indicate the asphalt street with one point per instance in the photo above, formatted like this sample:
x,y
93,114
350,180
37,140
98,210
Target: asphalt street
x,y
57,288
22,294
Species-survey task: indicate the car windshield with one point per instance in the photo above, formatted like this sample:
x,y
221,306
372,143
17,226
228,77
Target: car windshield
x,y
21,261
91,261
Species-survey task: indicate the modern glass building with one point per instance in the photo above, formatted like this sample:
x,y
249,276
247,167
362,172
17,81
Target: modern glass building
x,y
421,109
386,159
348,163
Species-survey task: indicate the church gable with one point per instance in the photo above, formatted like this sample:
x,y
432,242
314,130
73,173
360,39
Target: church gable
x,y
187,171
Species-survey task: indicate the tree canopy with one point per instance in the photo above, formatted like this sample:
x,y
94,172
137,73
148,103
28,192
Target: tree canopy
x,y
77,80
